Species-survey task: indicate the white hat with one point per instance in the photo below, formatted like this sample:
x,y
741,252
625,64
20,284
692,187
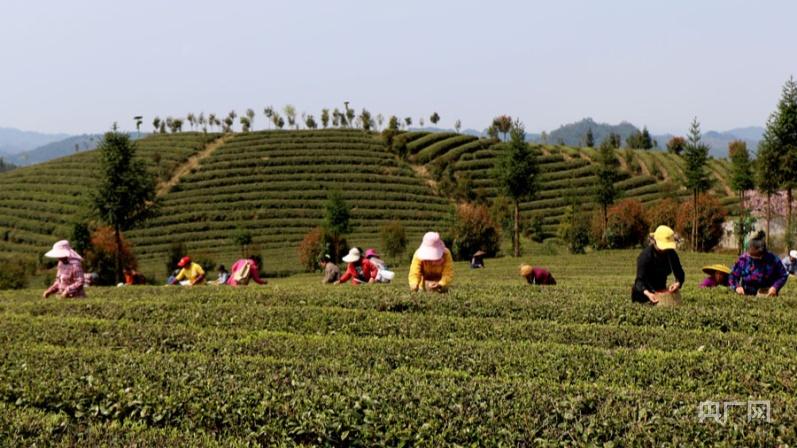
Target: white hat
x,y
62,249
793,253
432,247
354,255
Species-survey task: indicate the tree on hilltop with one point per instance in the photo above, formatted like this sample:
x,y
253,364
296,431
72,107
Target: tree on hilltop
x,y
156,124
125,190
269,113
434,118
408,122
365,120
250,114
458,125
245,124
337,220
503,124
380,119
589,138
325,118
191,119
517,174
309,121
290,114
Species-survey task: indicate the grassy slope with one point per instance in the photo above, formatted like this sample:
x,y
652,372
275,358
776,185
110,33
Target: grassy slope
x,y
494,362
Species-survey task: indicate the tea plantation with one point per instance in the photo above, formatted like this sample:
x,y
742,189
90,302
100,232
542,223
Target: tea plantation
x,y
492,363
273,184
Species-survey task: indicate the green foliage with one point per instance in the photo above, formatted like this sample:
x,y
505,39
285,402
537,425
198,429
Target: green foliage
x,y
639,139
337,214
676,145
606,191
589,138
14,273
474,230
394,239
537,229
80,239
243,239
696,156
434,118
503,124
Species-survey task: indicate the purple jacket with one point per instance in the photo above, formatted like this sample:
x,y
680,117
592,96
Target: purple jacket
x,y
764,273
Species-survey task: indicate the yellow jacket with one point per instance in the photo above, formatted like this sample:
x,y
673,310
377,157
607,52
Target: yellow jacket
x,y
421,271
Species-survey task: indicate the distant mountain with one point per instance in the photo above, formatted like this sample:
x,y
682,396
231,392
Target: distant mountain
x,y
61,148
573,134
718,141
14,141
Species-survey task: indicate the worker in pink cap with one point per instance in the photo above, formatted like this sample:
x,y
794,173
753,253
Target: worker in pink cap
x,y
432,266
190,273
69,279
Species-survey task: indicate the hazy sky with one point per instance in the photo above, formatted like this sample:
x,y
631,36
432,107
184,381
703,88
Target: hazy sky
x,y
77,66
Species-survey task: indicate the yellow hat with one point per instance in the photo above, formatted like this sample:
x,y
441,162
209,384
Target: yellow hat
x,y
665,238
716,267
526,270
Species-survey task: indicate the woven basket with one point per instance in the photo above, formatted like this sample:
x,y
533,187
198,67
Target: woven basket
x,y
667,298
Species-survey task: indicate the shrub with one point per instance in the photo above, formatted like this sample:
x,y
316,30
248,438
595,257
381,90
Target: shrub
x,y
14,274
575,231
311,248
711,216
100,257
627,227
473,230
662,213
394,239
536,230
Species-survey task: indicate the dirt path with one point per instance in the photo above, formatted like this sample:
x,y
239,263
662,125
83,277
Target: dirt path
x,y
189,165
423,173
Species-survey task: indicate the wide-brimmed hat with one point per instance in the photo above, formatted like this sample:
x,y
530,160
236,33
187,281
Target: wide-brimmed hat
x,y
185,261
664,237
710,269
480,253
526,270
793,253
371,253
354,255
62,249
432,247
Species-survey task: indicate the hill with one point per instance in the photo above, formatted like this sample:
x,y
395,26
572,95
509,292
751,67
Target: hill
x,y
14,141
573,134
274,184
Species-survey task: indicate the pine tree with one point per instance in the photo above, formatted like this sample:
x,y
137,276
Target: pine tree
x,y
517,174
741,180
782,130
606,192
697,177
768,171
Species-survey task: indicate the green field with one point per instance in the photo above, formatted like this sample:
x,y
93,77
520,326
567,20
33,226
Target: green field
x,y
494,362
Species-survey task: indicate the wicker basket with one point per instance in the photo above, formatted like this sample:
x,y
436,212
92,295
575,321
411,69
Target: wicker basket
x,y
667,298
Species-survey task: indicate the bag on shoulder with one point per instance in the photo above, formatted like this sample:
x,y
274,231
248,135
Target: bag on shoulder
x,y
241,276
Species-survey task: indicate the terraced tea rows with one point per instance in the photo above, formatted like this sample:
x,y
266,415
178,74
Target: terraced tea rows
x,y
492,363
39,203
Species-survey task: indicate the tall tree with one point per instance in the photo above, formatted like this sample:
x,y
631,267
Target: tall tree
x,y
337,220
782,130
125,191
608,173
156,124
458,125
191,119
434,118
250,114
366,120
349,113
380,119
589,138
310,122
325,118
768,172
517,174
269,113
697,177
290,114
408,121
139,120
245,123
741,180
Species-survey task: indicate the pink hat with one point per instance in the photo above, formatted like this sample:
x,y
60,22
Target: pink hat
x,y
371,253
432,247
62,249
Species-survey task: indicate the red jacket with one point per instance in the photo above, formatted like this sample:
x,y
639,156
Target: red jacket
x,y
367,271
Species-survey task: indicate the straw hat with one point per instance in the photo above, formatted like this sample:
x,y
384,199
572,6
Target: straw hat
x,y
526,270
354,255
432,247
480,253
62,249
710,269
664,237
185,261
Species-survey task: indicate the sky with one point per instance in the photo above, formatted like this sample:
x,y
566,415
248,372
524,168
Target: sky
x,y
81,65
